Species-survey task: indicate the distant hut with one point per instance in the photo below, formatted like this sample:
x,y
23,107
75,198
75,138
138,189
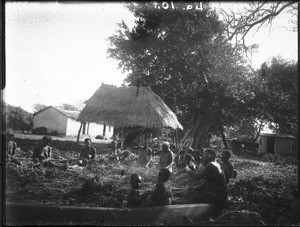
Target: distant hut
x,y
276,144
128,107
56,121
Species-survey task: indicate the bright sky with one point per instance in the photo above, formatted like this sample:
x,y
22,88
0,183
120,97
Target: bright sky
x,y
57,53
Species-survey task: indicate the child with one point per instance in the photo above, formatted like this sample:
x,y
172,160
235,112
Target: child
x,y
42,154
144,157
11,150
114,152
87,153
134,198
227,166
162,194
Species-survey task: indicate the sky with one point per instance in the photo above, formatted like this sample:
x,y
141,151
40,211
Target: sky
x,y
57,53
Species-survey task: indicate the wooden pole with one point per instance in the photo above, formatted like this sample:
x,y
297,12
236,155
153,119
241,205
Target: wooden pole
x,y
79,132
104,129
176,138
122,138
158,139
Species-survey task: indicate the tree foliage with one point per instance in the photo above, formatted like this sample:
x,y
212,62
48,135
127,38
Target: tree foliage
x,y
185,58
66,106
38,106
278,94
18,119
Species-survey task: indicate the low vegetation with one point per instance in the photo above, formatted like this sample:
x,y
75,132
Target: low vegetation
x,y
261,188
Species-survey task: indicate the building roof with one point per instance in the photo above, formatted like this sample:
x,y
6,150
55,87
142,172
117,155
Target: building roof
x,y
122,107
69,113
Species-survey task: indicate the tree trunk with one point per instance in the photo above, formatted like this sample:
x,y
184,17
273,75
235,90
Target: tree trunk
x,y
223,135
79,132
201,136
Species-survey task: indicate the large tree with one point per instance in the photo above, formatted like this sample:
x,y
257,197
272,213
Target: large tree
x,y
249,17
185,57
277,94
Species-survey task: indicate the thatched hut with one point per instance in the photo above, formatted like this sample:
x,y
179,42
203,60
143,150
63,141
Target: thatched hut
x,y
128,106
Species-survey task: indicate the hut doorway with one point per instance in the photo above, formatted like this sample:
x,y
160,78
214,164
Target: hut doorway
x,y
270,145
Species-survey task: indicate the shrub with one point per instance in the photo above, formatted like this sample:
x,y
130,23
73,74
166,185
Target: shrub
x,y
54,133
40,131
279,159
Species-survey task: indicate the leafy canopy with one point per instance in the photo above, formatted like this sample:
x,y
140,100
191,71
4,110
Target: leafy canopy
x,y
185,58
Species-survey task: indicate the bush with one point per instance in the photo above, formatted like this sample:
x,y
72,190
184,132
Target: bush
x,y
272,197
54,133
279,159
100,137
40,131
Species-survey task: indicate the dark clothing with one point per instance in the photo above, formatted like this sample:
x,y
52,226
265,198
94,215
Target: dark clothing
x,y
166,159
114,154
124,154
88,151
162,194
228,170
41,152
144,156
134,198
215,185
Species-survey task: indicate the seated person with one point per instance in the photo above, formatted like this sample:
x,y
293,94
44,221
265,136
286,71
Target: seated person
x,y
162,194
178,159
187,160
166,157
123,155
227,166
134,198
215,184
114,152
42,154
87,153
144,156
11,148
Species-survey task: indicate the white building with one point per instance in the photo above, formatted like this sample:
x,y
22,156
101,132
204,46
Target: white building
x,y
65,123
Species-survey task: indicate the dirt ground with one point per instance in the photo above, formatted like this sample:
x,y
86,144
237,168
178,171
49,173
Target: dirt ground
x,y
260,186
65,138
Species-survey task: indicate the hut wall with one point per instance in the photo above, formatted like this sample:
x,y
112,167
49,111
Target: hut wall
x,y
72,127
283,146
52,119
262,140
94,129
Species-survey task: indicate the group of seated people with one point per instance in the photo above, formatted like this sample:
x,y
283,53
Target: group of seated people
x,y
212,176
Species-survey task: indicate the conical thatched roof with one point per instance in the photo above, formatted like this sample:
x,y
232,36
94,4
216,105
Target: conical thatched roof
x,y
121,107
